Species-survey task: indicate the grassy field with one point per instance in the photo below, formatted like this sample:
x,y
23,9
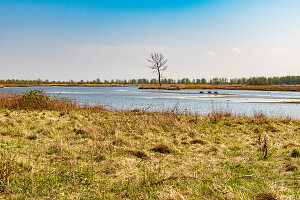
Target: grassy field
x,y
99,154
52,149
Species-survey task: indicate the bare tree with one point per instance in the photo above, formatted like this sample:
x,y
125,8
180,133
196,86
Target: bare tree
x,y
158,63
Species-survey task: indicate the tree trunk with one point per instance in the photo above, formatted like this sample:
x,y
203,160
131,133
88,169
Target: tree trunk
x,y
159,78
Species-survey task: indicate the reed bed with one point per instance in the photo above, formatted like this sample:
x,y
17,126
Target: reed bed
x,y
295,88
35,100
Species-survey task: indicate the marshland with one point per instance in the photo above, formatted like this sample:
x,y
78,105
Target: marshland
x,y
53,148
149,99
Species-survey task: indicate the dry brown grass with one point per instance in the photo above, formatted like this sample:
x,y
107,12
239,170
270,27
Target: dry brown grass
x,y
139,154
197,141
227,87
35,100
161,148
7,165
266,196
99,154
295,153
291,167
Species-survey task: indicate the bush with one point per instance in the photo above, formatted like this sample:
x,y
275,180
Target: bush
x,y
35,100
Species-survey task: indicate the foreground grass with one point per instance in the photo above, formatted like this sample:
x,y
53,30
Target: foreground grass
x,y
84,154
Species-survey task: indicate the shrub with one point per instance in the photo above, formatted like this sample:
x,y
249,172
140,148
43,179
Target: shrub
x,y
35,100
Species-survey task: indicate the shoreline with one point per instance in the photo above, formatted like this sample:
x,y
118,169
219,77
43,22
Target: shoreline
x,y
291,88
279,102
66,85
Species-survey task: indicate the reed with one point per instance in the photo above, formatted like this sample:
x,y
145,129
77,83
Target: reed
x,y
227,87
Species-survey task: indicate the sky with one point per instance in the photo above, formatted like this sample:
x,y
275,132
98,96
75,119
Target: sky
x,y
111,39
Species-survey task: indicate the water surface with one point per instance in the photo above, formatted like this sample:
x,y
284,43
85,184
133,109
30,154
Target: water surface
x,y
241,102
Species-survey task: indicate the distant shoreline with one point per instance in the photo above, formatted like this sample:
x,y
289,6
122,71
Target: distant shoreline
x,y
67,85
293,88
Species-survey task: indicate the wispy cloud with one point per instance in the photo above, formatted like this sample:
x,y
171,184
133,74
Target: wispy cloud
x,y
273,51
211,53
276,51
236,51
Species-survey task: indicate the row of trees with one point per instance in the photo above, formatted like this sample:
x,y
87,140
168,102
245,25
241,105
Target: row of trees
x,y
158,63
285,80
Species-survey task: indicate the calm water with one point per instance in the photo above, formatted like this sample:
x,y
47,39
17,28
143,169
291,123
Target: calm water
x,y
243,102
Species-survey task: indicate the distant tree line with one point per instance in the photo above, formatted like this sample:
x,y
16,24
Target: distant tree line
x,y
284,80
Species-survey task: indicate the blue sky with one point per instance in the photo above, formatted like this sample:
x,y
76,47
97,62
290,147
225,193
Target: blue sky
x,y
87,39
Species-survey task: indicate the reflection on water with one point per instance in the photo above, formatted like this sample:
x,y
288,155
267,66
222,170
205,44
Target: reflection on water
x,y
241,102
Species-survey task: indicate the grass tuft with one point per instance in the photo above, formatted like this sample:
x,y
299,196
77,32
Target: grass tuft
x,y
291,167
290,144
266,196
161,148
31,137
197,141
295,153
139,154
8,133
80,132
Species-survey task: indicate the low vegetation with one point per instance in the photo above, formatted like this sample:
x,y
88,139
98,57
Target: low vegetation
x,y
35,100
285,83
295,88
158,60
65,85
93,153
